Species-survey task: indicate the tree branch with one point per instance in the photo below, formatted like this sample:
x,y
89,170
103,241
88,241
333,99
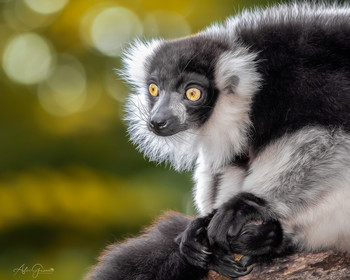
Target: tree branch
x,y
311,266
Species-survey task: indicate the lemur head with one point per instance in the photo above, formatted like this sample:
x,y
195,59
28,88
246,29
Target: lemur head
x,y
181,81
188,94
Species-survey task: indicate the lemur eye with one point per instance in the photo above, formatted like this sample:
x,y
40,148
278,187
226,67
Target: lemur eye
x,y
193,94
153,90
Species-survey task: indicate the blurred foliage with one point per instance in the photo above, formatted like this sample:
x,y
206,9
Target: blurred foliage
x,y
70,182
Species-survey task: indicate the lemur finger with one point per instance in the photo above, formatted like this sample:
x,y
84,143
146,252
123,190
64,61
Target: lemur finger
x,y
194,245
218,227
195,254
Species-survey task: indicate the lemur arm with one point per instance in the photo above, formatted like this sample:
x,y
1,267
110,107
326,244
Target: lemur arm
x,y
213,189
293,180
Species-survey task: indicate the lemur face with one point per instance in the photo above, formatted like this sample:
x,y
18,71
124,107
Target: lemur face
x,y
181,86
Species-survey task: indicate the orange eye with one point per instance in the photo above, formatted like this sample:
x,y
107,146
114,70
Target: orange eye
x,y
193,94
153,90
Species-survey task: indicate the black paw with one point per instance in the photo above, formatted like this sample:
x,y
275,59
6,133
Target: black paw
x,y
225,263
229,220
194,244
258,239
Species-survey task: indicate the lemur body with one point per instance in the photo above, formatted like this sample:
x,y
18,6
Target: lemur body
x,y
269,134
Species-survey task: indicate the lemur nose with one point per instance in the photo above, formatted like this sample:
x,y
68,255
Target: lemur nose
x,y
164,125
158,124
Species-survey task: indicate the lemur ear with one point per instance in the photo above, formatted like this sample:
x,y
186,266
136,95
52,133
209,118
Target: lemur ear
x,y
230,83
135,61
235,72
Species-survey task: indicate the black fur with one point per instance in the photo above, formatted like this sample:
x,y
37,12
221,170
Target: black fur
x,y
305,69
214,186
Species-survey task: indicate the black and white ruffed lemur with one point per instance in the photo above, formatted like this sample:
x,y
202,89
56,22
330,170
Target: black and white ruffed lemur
x,y
260,107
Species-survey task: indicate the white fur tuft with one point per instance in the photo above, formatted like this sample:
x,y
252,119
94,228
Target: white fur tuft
x,y
226,133
135,59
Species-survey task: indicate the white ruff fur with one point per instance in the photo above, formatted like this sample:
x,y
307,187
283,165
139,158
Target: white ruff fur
x,y
177,150
135,60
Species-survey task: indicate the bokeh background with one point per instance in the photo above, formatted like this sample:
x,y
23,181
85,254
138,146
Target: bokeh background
x,y
70,182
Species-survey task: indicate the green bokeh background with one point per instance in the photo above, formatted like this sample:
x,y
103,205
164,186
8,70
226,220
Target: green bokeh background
x,y
70,182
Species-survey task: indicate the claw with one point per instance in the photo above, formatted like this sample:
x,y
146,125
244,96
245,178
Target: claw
x,y
206,252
